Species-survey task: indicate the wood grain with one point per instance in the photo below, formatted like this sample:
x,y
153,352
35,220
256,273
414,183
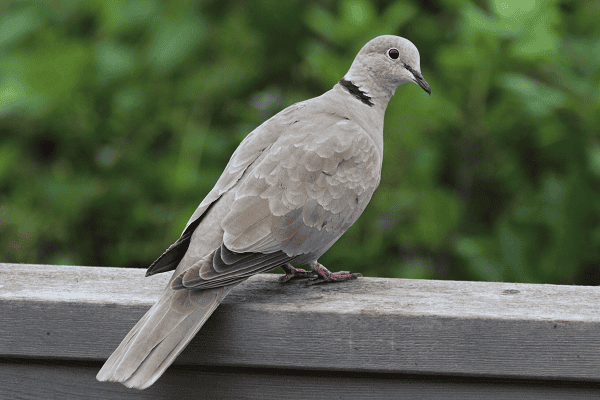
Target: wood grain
x,y
398,326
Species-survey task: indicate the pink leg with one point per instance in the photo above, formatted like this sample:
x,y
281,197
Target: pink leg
x,y
326,276
292,273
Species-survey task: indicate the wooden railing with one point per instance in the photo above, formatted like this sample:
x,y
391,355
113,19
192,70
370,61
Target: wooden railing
x,y
366,339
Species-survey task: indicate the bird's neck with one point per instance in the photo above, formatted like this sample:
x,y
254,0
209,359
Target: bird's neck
x,y
369,93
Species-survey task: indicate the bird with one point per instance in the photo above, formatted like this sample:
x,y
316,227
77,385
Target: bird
x,y
291,189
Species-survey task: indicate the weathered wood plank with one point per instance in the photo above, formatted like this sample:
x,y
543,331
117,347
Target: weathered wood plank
x,y
370,325
20,379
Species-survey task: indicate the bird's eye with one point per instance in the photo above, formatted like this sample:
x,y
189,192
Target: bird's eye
x,y
393,53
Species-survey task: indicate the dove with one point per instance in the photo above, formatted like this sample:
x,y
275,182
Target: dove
x,y
291,189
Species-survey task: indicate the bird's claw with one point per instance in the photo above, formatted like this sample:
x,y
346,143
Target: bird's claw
x,y
333,277
317,276
292,273
326,276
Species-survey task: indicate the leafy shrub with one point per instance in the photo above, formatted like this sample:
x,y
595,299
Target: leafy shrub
x,y
116,118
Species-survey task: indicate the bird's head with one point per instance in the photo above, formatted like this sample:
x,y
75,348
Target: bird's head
x,y
385,63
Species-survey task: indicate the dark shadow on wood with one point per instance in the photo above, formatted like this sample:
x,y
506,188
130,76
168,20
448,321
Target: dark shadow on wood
x,y
35,379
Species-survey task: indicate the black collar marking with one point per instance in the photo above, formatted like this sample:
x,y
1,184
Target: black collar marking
x,y
356,92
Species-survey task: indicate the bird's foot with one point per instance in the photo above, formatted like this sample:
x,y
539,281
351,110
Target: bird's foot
x,y
292,273
326,276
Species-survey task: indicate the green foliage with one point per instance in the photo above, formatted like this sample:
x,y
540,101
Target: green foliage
x,y
117,117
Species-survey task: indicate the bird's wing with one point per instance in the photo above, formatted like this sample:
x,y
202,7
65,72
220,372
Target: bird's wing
x,y
307,190
249,150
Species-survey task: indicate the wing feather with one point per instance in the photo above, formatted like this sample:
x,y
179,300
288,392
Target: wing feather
x,y
301,195
308,188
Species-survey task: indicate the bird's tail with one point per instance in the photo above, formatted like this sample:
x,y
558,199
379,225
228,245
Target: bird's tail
x,y
158,338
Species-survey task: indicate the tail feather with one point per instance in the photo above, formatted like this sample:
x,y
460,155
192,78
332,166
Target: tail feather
x,y
107,371
160,336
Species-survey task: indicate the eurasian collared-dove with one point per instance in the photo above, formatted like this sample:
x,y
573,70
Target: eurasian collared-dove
x,y
291,189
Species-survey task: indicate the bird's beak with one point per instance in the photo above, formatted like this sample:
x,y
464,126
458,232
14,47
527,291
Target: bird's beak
x,y
419,80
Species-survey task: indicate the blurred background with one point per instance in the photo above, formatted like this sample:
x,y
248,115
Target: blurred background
x,y
117,117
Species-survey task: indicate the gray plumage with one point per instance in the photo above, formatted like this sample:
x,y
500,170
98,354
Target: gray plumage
x,y
291,189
